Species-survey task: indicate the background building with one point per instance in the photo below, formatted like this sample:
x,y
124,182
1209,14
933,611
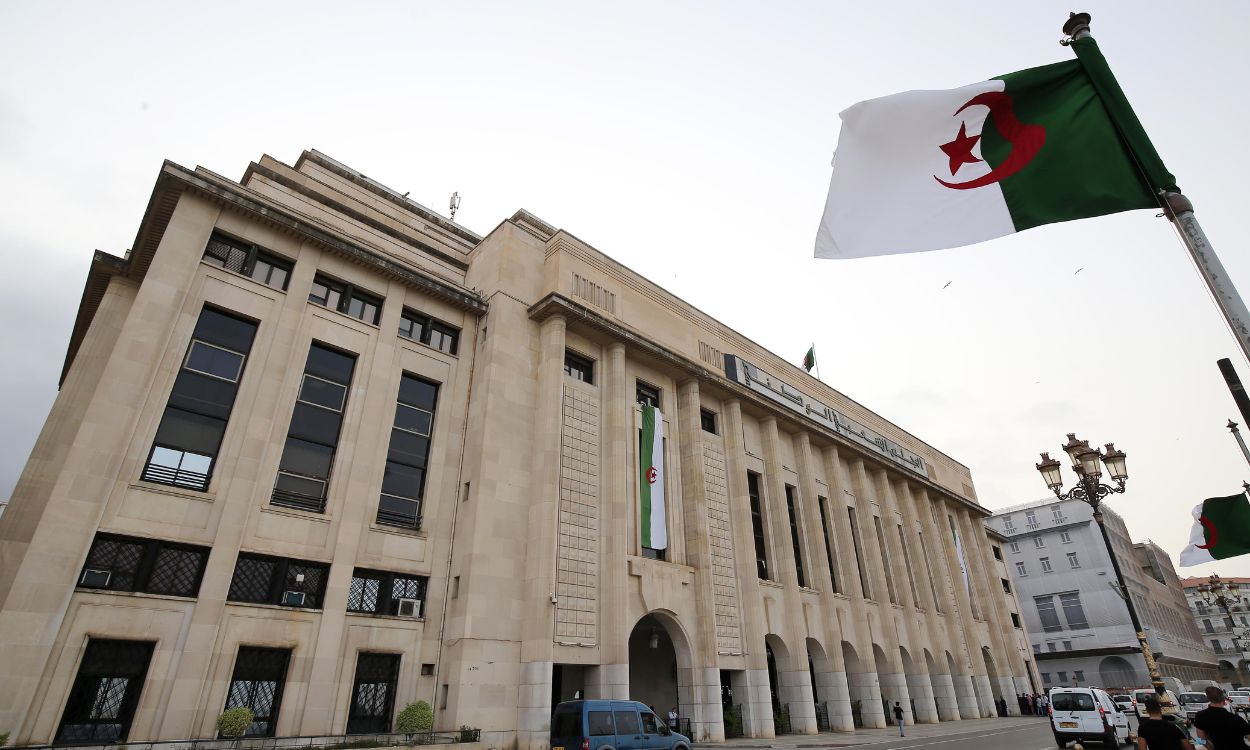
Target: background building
x,y
1232,658
1080,628
321,452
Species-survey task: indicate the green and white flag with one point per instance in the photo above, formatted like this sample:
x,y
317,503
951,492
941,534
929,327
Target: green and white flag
x,y
651,481
926,170
1221,530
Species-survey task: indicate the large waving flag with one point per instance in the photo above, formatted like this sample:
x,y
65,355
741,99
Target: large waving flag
x,y
926,170
1221,530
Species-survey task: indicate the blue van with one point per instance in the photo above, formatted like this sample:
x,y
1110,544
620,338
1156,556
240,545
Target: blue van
x,y
611,725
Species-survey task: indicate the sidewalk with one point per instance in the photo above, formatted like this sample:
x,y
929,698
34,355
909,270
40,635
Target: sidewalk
x,y
876,736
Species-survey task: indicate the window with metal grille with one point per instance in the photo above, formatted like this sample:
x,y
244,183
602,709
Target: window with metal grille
x,y
260,579
376,592
119,563
757,526
259,675
579,368
248,259
645,393
189,436
421,327
373,693
345,298
707,421
830,547
304,471
793,514
403,482
105,693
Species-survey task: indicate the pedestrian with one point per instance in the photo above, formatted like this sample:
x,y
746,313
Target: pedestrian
x,y
672,718
1024,704
898,717
1222,729
1031,700
1153,733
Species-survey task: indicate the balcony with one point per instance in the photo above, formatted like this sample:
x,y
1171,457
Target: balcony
x,y
1034,525
192,480
298,500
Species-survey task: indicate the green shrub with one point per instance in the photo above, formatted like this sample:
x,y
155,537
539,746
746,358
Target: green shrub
x,y
415,718
468,733
233,722
4,738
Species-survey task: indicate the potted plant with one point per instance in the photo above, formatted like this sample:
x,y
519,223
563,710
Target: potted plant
x,y
233,722
416,718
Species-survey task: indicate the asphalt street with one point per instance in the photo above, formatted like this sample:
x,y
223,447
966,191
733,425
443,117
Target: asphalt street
x,y
1035,735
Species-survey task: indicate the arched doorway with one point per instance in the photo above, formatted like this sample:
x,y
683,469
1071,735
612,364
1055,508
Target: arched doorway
x,y
1118,672
653,665
943,690
893,684
919,689
1227,673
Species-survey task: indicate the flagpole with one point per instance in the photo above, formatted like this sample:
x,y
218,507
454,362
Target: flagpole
x,y
815,362
1178,208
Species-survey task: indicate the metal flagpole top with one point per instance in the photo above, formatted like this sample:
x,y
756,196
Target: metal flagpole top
x,y
1077,25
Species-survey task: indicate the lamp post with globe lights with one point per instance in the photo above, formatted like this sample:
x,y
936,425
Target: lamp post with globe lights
x,y
1087,464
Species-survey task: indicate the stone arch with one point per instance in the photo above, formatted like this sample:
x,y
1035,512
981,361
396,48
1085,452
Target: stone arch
x,y
863,689
1118,672
829,689
965,696
893,684
660,664
943,689
919,688
778,658
1226,673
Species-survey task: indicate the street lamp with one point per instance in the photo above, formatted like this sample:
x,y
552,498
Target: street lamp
x,y
1087,464
1226,595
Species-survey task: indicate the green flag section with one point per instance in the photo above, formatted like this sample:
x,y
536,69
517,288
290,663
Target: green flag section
x,y
809,359
1221,530
926,170
651,480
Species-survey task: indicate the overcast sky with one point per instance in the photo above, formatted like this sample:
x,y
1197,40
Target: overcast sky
x,y
690,141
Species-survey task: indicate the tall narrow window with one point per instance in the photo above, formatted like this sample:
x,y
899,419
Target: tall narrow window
x,y
373,693
829,545
1073,562
304,472
1073,612
1045,561
247,259
757,525
189,436
106,691
1046,613
929,563
885,560
911,575
403,485
793,514
864,588
259,674
345,298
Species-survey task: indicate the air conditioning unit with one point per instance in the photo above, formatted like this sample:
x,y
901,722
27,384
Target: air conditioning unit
x,y
409,607
96,578
293,598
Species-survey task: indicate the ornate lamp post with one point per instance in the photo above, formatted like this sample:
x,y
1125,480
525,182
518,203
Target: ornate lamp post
x,y
1227,596
1087,464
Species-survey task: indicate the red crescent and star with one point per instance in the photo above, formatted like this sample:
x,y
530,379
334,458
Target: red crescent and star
x,y
1026,141
1211,535
652,475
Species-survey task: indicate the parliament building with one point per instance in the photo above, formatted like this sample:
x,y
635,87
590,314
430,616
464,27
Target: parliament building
x,y
321,452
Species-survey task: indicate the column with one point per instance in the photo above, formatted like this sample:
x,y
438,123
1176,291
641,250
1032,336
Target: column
x,y
537,646
707,718
613,680
987,586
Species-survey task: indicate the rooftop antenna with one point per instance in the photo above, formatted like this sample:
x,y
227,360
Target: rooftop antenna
x,y
455,204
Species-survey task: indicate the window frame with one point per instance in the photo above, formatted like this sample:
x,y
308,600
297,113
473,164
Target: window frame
x,y
358,723
386,600
644,393
796,535
393,518
425,326
253,254
708,421
758,532
81,701
579,367
276,589
347,294
146,567
254,657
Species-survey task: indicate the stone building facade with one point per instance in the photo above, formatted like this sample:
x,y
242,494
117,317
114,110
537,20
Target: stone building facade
x,y
1079,625
1225,632
322,452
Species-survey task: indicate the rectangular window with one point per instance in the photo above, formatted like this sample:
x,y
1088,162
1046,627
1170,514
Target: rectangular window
x,y
1015,620
1014,547
757,526
1021,570
998,553
420,327
579,368
373,693
1046,677
924,550
864,588
1039,542
1006,585
105,693
707,421
885,560
793,514
1030,518
1065,537
378,593
1067,645
1079,675
911,576
1008,524
1063,677
829,545
1072,561
345,298
259,674
1057,513
403,483
1073,612
304,471
242,257
1206,624
1046,613
259,579
1045,561
189,436
119,563
645,393
1051,646
1216,646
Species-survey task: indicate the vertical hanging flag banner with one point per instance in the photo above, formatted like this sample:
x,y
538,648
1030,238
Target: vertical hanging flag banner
x,y
651,482
1221,530
963,564
809,359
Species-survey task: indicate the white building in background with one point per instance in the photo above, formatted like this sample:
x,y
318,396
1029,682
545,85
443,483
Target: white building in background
x,y
1078,623
1232,659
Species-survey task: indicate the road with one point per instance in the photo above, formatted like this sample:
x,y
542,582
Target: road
x,y
1035,735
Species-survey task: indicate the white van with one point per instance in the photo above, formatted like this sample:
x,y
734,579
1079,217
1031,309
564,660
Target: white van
x,y
1082,713
1168,703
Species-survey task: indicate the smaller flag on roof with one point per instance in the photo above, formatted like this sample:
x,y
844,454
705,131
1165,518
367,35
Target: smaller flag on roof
x,y
809,359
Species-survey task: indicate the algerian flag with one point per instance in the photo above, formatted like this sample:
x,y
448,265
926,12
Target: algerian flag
x,y
809,359
926,170
651,481
1221,530
963,563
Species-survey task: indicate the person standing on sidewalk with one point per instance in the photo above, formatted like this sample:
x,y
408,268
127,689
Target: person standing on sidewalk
x,y
898,717
1153,733
1221,729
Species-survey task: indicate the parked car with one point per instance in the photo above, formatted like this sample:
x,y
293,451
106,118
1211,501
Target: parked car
x,y
1127,703
1168,702
1083,714
1239,700
1192,703
620,725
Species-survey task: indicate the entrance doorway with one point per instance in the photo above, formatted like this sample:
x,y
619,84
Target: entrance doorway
x,y
568,683
653,666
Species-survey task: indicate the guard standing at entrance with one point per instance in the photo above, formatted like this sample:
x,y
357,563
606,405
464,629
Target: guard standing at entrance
x,y
672,718
898,717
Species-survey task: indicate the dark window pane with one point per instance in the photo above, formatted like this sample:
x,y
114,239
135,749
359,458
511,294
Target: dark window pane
x,y
707,421
403,481
373,693
413,420
202,394
183,430
259,675
309,459
579,367
316,425
299,492
600,724
320,293
307,579
398,511
329,364
225,331
215,361
323,393
408,448
444,338
412,325
224,252
408,588
120,558
105,693
252,581
363,593
647,394
177,571
417,392
627,722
